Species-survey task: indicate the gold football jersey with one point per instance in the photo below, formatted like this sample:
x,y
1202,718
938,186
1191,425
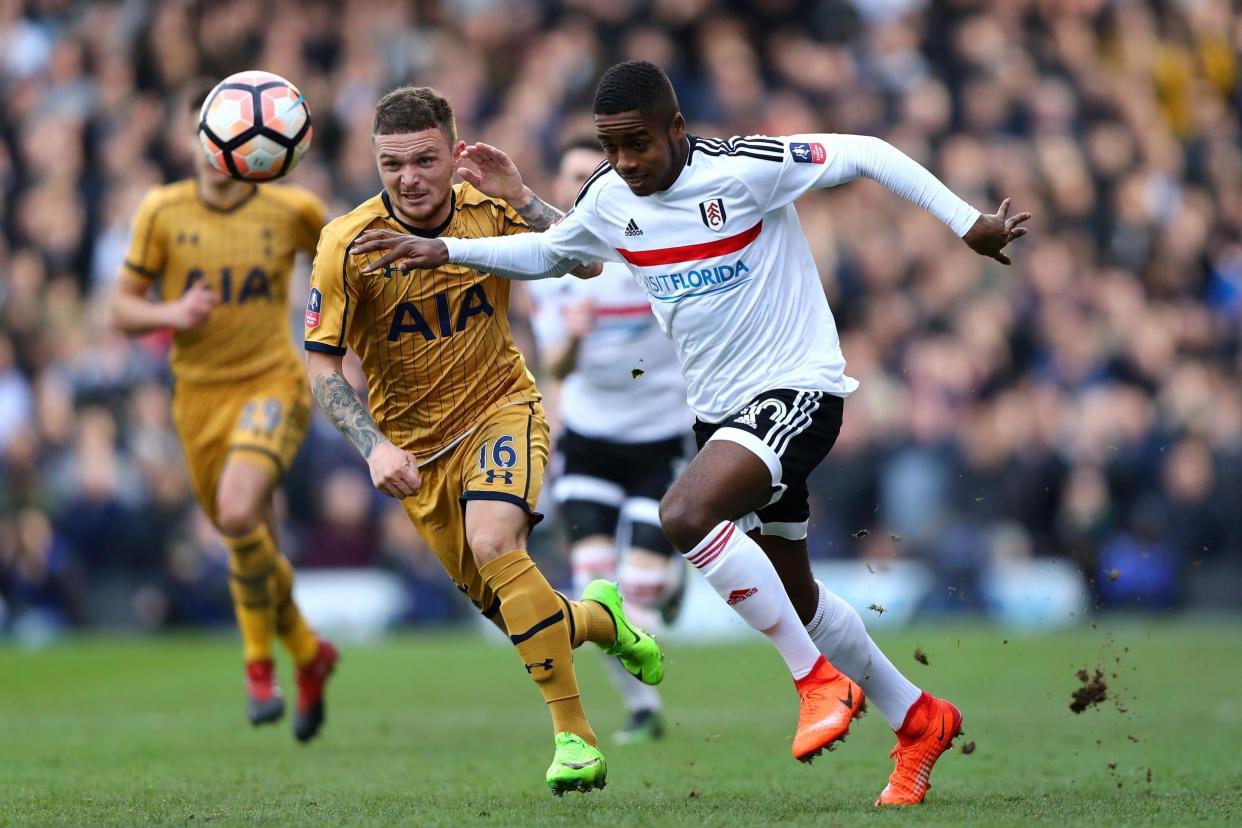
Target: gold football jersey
x,y
245,254
435,344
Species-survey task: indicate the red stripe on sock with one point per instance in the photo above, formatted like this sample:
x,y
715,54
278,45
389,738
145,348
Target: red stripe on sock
x,y
722,537
703,563
712,551
693,556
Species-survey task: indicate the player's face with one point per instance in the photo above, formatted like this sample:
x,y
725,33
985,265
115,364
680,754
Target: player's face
x,y
417,171
207,174
576,167
647,154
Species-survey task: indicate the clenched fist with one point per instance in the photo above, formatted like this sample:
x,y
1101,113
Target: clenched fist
x,y
194,307
393,471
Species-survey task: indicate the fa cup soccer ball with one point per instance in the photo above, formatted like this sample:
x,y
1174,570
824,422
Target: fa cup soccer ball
x,y
254,126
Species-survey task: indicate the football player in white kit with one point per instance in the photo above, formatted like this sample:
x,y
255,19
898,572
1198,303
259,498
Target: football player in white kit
x,y
625,430
733,283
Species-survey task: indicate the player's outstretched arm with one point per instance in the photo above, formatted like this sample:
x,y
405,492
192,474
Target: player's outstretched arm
x,y
523,257
495,174
868,157
131,312
393,471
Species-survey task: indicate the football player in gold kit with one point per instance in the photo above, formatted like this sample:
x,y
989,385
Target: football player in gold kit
x,y
455,429
210,257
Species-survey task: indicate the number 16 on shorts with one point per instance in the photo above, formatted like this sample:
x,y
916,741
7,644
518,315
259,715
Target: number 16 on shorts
x,y
496,460
504,459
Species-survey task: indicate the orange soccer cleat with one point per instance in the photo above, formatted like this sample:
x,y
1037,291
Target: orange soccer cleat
x,y
830,701
930,727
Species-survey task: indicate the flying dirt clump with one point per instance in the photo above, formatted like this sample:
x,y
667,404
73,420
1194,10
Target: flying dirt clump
x,y
1092,692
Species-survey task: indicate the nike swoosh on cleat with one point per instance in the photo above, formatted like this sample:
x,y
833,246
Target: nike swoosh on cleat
x,y
940,738
580,765
631,631
848,701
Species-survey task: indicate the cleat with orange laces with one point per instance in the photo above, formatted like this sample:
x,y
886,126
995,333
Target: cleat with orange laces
x,y
830,701
929,730
312,678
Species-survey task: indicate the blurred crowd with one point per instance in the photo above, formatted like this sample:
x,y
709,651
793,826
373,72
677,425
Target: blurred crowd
x,y
1085,403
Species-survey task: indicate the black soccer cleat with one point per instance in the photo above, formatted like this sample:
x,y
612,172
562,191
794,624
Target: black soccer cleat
x,y
312,680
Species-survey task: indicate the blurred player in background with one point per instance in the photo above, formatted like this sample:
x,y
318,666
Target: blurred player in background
x,y
625,434
733,282
458,433
211,257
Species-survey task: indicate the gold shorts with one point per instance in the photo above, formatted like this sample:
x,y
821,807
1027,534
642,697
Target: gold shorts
x,y
265,418
502,459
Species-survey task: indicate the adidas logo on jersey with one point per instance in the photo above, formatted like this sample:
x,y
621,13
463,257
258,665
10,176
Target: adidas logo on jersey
x,y
631,229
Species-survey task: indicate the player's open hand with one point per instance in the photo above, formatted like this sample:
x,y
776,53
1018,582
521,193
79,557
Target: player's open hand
x,y
410,252
195,306
991,233
492,172
393,471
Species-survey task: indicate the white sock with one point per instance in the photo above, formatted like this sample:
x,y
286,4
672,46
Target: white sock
x,y
638,696
590,561
743,576
838,631
645,592
640,585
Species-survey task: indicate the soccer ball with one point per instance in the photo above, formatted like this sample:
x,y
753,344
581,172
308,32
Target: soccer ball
x,y
254,126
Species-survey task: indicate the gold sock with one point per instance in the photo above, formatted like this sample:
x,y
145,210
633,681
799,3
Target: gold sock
x,y
252,582
297,636
589,621
539,628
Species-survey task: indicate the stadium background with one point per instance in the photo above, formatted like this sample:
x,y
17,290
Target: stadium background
x,y
1084,405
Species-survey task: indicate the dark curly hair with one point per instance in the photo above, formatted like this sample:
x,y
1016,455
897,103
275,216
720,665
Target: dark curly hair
x,y
635,86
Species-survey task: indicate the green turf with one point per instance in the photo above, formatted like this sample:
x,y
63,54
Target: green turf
x,y
449,731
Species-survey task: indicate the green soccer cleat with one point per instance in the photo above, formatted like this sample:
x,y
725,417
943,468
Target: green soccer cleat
x,y
638,652
576,766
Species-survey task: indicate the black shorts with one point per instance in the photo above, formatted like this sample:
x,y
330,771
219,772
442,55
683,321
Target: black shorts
x,y
601,479
791,432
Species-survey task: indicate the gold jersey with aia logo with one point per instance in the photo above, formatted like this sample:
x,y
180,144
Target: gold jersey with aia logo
x,y
239,381
435,344
244,254
446,382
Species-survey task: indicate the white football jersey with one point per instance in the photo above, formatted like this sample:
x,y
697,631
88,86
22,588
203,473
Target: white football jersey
x,y
722,257
626,385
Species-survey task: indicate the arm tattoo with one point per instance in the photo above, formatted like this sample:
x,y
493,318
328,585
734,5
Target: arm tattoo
x,y
539,215
337,399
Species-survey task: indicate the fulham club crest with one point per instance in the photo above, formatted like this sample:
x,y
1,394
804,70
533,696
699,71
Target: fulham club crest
x,y
713,213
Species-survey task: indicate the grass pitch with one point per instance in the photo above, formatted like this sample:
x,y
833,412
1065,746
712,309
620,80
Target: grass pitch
x,y
448,730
